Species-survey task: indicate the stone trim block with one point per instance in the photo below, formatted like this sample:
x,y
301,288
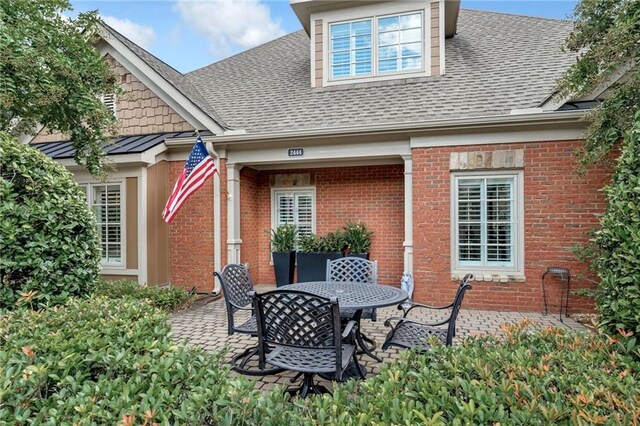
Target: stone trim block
x,y
486,160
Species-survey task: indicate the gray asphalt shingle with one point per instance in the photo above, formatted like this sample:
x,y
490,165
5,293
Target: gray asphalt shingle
x,y
496,63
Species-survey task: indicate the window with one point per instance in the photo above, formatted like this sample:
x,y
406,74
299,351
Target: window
x,y
295,207
398,41
106,203
487,222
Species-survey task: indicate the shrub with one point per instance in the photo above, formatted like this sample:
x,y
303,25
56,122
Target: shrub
x,y
616,246
330,243
166,298
357,237
283,238
48,240
96,360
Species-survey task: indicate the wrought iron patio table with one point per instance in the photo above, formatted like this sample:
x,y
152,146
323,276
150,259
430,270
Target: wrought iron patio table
x,y
355,296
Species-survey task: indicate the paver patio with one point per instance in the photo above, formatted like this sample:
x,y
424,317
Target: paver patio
x,y
206,326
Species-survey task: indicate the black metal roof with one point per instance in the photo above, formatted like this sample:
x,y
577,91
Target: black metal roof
x,y
123,145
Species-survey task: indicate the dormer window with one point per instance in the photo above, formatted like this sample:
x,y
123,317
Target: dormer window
x,y
394,43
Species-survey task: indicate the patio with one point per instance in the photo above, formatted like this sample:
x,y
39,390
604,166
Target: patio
x,y
206,326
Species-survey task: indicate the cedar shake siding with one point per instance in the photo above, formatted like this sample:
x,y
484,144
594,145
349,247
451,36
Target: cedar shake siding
x,y
435,38
138,109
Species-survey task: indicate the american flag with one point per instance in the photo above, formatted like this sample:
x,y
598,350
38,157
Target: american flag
x,y
198,168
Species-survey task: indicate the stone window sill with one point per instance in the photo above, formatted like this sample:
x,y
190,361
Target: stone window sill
x,y
494,278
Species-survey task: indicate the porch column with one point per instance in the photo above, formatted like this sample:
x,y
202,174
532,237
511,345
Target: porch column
x,y
408,214
233,213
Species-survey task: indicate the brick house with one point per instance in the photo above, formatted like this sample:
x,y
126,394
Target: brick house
x,y
435,126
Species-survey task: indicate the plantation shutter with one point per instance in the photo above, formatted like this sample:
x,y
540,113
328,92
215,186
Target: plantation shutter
x,y
295,207
107,204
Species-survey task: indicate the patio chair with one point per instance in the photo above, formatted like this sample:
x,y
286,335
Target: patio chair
x,y
411,334
356,270
237,288
300,331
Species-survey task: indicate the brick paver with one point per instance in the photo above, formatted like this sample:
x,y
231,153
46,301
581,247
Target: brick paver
x,y
206,326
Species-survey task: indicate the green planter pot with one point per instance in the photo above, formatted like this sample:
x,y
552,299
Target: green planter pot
x,y
284,266
313,266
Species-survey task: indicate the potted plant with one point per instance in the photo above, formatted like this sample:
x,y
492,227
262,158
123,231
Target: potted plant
x,y
358,239
313,253
283,239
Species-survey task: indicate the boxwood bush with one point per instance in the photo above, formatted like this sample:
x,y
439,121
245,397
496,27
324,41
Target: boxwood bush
x,y
167,298
48,238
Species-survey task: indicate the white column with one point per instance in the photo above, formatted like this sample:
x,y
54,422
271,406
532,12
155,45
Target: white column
x,y
408,214
233,213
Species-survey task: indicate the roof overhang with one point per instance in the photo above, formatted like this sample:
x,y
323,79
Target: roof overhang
x,y
304,8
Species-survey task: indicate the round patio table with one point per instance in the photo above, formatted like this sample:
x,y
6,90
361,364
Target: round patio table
x,y
354,297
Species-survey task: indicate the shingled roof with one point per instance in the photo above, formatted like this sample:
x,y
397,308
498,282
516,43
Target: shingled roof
x,y
496,63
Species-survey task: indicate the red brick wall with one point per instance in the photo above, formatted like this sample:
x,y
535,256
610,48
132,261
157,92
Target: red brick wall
x,y
191,237
373,195
560,209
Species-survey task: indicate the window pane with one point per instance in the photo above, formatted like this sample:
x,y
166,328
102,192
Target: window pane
x,y
341,58
390,52
408,36
387,66
341,70
361,27
340,30
340,44
389,23
362,55
411,63
411,21
385,39
114,253
362,41
413,49
362,68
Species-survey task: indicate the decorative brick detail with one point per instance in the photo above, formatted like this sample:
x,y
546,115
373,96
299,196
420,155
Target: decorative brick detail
x,y
495,278
560,209
139,110
291,180
478,160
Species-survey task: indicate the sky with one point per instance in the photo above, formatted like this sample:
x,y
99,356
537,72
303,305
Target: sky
x,y
190,34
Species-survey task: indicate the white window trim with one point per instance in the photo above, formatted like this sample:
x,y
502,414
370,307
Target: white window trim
x,y
518,266
369,12
112,266
375,74
310,189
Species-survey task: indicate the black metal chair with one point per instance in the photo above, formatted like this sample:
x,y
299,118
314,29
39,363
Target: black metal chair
x,y
356,270
300,331
237,288
412,334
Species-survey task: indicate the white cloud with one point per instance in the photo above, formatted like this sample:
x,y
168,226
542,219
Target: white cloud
x,y
142,35
230,25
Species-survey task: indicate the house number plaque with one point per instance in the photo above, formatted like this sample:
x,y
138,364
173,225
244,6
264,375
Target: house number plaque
x,y
296,152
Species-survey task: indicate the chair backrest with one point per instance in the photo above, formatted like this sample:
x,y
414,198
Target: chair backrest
x,y
237,287
353,270
457,303
297,319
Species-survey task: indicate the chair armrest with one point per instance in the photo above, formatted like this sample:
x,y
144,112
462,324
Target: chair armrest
x,y
420,305
241,308
405,320
349,328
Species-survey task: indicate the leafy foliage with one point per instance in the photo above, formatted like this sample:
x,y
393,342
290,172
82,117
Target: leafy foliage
x,y
50,74
357,237
102,361
48,240
166,298
333,242
283,238
606,37
616,246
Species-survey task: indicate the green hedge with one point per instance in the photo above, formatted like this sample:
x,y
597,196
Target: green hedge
x,y
96,360
48,239
100,361
166,298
